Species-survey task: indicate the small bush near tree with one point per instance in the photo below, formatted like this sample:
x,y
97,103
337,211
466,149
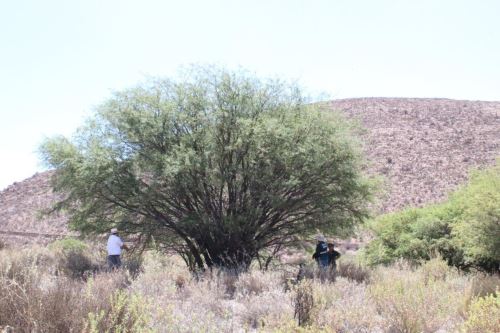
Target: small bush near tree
x,y
74,257
68,244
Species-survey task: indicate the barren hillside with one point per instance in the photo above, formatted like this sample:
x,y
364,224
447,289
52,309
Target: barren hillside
x,y
422,147
21,207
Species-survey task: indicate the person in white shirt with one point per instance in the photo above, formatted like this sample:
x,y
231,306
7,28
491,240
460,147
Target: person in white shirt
x,y
114,247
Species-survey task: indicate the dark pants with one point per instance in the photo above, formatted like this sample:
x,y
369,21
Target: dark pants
x,y
114,262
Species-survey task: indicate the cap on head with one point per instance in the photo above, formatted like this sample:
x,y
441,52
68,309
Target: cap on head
x,y
320,238
114,231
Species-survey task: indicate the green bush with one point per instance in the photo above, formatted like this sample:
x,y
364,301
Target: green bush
x,y
413,234
127,313
465,230
74,257
477,229
68,244
483,315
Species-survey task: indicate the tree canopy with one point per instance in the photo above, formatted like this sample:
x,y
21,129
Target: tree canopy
x,y
219,165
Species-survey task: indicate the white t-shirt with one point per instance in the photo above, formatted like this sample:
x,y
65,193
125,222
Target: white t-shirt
x,y
114,245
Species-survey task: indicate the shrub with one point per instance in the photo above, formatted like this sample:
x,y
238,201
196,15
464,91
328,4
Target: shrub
x,y
303,302
410,302
77,264
353,271
133,264
74,257
256,282
18,264
67,245
228,280
127,313
476,231
480,285
166,298
435,269
34,298
265,311
345,306
483,315
39,305
412,234
464,230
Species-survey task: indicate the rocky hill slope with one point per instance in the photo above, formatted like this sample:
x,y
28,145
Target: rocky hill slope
x,y
423,148
22,207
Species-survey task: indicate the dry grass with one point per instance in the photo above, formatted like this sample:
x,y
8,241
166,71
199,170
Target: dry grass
x,y
36,296
353,271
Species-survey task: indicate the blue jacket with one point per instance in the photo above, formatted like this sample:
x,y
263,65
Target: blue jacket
x,y
321,254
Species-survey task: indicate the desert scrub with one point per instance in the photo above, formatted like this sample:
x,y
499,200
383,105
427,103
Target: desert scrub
x,y
414,300
34,298
200,305
484,315
256,282
353,271
127,313
435,269
346,306
16,264
74,257
479,285
304,302
265,311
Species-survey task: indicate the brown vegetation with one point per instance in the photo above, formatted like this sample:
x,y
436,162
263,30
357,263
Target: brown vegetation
x,y
36,296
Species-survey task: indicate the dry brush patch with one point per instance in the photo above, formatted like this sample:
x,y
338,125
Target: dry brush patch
x,y
166,297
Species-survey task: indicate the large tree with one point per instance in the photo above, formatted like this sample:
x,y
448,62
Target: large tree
x,y
220,165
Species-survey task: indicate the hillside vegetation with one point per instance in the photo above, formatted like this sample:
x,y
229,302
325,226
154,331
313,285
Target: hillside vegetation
x,y
424,148
465,230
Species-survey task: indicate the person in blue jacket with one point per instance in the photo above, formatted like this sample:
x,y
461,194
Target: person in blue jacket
x,y
321,254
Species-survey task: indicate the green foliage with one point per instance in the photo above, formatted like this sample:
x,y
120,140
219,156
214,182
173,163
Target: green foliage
x,y
413,234
477,228
483,315
68,245
465,230
127,313
74,257
218,166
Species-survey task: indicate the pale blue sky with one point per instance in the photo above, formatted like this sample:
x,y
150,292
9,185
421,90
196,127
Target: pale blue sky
x,y
58,59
